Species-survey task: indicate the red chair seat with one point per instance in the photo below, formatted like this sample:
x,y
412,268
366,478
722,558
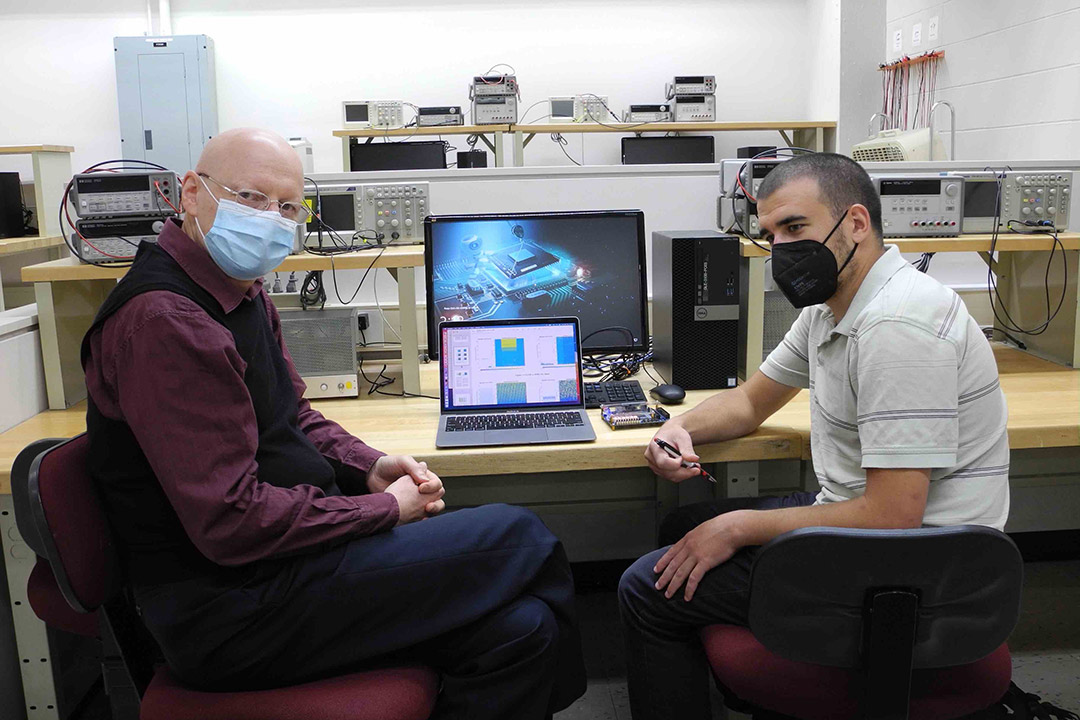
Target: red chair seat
x,y
405,693
49,605
816,692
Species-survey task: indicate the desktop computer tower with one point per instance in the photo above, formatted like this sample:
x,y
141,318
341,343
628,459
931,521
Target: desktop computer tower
x,y
696,320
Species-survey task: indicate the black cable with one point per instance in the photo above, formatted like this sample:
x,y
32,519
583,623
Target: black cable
x,y
989,331
382,380
312,291
562,143
991,282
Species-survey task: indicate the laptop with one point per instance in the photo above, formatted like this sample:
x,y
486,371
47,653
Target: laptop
x,y
511,382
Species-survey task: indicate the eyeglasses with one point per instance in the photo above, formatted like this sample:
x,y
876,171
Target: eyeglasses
x,y
297,212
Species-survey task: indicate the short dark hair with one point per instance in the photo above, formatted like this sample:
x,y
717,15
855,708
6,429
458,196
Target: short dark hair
x,y
842,181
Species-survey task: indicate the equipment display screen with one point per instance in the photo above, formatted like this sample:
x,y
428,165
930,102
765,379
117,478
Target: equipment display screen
x,y
356,112
112,183
562,108
910,187
589,264
337,211
510,366
980,198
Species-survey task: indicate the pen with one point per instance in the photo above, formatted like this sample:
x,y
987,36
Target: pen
x,y
672,452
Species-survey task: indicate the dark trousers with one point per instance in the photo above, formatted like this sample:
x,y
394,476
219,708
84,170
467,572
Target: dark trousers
x,y
484,596
667,673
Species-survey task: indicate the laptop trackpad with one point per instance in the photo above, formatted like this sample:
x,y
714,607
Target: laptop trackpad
x,y
519,436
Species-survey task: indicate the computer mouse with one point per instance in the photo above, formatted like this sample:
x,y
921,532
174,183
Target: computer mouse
x,y
668,394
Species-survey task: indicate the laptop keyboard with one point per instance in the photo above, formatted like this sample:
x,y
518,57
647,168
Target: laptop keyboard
x,y
513,421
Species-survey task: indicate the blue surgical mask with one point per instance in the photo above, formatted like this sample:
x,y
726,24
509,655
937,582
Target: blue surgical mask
x,y
247,243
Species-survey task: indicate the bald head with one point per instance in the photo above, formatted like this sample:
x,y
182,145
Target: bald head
x,y
240,159
247,154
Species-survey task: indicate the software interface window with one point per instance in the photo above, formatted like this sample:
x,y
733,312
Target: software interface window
x,y
511,366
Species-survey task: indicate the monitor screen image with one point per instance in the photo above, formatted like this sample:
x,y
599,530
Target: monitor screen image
x,y
589,265
510,366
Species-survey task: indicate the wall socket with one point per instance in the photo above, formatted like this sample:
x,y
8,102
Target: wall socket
x,y
916,35
898,41
933,27
362,320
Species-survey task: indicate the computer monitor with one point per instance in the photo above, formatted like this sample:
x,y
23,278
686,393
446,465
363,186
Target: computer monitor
x,y
665,150
426,155
525,265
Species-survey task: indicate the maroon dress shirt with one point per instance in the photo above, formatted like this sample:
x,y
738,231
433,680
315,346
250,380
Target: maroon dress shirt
x,y
164,367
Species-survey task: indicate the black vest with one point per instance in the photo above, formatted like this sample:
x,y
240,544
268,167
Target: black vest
x,y
152,541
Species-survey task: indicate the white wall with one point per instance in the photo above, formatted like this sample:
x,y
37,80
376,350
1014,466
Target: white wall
x,y
1011,69
287,65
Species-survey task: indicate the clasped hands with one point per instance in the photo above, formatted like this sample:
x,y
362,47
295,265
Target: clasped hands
x,y
418,490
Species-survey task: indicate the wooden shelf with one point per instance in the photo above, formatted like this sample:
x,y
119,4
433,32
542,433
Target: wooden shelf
x,y
732,126
409,132
30,149
70,269
975,242
11,246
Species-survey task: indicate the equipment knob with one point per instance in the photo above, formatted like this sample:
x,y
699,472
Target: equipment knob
x,y
1051,210
379,204
394,222
323,386
1025,211
158,226
952,189
382,223
1039,210
408,221
393,203
371,192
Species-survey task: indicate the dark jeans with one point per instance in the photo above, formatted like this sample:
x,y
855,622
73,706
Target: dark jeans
x,y
484,596
667,673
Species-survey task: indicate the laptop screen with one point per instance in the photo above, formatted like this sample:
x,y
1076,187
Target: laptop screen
x,y
500,365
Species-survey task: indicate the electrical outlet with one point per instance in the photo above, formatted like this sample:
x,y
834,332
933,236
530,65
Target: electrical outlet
x,y
362,320
932,29
916,35
898,41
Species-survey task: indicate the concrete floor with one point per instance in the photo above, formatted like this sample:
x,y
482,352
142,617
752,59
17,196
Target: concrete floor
x,y
1045,646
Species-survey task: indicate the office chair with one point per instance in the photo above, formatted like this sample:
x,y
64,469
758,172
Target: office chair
x,y
874,624
69,524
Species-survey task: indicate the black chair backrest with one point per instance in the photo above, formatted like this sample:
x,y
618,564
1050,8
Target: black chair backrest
x,y
20,492
810,591
72,526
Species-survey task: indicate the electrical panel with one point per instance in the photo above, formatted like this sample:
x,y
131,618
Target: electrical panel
x,y
167,97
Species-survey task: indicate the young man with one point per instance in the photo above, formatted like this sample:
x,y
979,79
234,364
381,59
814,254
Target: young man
x,y
265,545
907,424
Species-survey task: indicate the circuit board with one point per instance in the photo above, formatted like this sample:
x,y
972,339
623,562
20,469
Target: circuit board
x,y
629,415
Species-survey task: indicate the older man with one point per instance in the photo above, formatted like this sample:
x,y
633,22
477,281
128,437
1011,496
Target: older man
x,y
266,546
907,424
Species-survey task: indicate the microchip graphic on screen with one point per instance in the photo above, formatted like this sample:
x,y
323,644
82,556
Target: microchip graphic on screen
x,y
523,260
589,265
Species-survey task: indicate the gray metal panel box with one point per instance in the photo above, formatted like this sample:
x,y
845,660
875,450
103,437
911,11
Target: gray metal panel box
x,y
167,95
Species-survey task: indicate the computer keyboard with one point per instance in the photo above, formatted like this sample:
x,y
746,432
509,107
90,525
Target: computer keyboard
x,y
513,421
613,391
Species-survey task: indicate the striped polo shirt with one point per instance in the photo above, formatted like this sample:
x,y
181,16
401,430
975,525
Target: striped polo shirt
x,y
906,379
